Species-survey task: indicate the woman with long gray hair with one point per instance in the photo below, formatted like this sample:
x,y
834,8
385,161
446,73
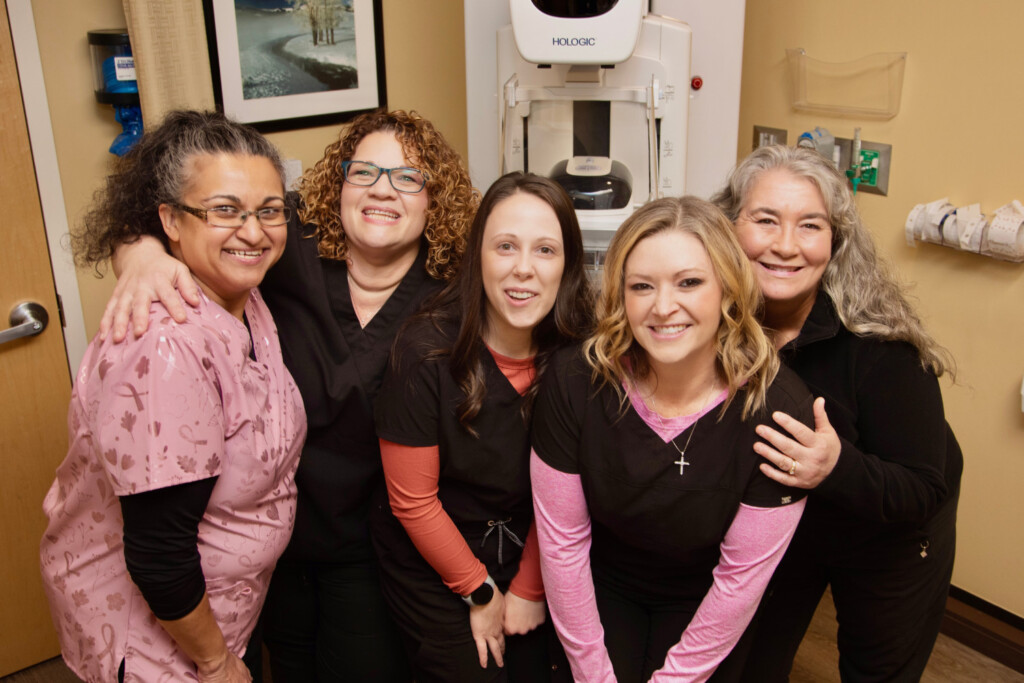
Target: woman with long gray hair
x,y
883,464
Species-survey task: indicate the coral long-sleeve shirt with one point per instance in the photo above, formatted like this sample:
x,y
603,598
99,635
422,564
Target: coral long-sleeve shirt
x,y
412,474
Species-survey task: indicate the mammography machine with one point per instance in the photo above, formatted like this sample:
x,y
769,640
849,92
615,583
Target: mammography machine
x,y
593,104
606,97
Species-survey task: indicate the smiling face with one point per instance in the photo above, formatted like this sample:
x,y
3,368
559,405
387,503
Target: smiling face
x,y
381,224
673,302
784,230
227,262
521,261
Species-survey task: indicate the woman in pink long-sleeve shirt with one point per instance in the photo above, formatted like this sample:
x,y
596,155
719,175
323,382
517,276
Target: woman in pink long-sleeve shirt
x,y
657,530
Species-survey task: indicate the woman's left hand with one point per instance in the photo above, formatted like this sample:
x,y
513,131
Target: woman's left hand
x,y
803,458
485,622
522,615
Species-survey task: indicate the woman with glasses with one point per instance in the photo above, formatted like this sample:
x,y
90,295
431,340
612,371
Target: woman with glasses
x,y
369,241
459,554
178,495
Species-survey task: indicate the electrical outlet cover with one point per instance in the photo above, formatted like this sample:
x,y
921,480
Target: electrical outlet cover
x,y
763,135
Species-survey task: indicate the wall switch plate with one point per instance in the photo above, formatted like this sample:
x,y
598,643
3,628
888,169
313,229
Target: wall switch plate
x,y
884,152
763,135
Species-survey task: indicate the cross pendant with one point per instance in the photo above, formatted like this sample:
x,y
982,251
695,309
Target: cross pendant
x,y
681,462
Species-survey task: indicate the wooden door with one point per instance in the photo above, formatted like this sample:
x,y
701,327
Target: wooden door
x,y
35,387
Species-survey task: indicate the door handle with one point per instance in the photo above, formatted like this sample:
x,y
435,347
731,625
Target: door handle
x,y
27,320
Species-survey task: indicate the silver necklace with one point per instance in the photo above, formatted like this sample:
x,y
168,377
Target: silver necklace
x,y
682,461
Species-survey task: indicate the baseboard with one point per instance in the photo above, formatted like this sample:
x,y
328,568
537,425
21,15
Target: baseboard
x,y
985,628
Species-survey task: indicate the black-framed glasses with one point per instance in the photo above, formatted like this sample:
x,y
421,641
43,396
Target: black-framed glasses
x,y
233,217
403,179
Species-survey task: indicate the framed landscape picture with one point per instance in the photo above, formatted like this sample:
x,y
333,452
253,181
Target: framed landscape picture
x,y
283,64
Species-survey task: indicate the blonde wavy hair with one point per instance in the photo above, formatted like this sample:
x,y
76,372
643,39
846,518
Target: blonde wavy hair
x,y
744,353
868,295
453,200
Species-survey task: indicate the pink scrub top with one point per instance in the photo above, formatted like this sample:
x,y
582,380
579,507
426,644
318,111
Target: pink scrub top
x,y
182,403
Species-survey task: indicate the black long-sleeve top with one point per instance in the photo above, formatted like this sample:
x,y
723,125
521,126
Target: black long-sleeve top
x,y
899,462
161,534
338,367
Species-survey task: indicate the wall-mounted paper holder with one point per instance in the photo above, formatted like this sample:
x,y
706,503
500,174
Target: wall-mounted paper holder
x,y
967,229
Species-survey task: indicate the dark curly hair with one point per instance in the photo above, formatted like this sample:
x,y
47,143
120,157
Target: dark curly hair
x,y
155,172
453,200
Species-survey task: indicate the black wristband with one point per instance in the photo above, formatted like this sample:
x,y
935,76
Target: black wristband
x,y
482,595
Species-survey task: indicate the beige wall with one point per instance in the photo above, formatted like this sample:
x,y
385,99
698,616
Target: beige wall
x,y
957,134
425,71
82,128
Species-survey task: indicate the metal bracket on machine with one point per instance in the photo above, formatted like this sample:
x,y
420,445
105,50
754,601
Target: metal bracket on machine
x,y
518,98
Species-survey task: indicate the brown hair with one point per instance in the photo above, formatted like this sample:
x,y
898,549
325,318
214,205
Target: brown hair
x,y
452,197
464,300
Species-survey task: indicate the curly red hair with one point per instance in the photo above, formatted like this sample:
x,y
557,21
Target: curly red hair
x,y
453,200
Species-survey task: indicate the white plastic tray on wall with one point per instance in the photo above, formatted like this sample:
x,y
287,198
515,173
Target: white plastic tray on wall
x,y
867,87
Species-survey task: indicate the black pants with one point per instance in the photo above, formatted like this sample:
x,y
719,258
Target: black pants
x,y
535,657
639,632
327,622
439,640
253,657
889,610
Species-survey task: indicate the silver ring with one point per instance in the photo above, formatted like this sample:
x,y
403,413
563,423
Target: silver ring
x,y
792,468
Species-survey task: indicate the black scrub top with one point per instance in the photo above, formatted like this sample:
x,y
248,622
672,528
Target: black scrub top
x,y
338,367
483,478
656,534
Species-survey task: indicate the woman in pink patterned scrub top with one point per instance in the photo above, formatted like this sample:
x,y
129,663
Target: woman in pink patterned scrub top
x,y
177,495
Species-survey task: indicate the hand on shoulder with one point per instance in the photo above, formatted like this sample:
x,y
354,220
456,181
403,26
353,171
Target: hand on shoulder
x,y
799,456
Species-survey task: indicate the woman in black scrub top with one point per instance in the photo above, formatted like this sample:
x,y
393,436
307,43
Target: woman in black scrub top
x,y
383,222
657,530
458,556
883,464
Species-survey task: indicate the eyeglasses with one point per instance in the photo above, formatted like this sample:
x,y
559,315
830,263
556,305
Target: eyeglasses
x,y
233,217
407,180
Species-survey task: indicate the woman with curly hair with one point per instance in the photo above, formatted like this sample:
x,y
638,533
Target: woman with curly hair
x,y
381,225
657,530
453,418
177,495
880,525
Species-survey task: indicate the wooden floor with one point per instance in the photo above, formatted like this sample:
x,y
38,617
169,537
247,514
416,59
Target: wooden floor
x,y
816,662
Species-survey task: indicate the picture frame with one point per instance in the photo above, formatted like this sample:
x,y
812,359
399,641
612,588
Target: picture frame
x,y
288,64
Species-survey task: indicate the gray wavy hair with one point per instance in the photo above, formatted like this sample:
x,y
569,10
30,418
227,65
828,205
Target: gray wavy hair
x,y
869,297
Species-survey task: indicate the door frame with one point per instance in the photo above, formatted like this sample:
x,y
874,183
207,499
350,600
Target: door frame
x,y
51,193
